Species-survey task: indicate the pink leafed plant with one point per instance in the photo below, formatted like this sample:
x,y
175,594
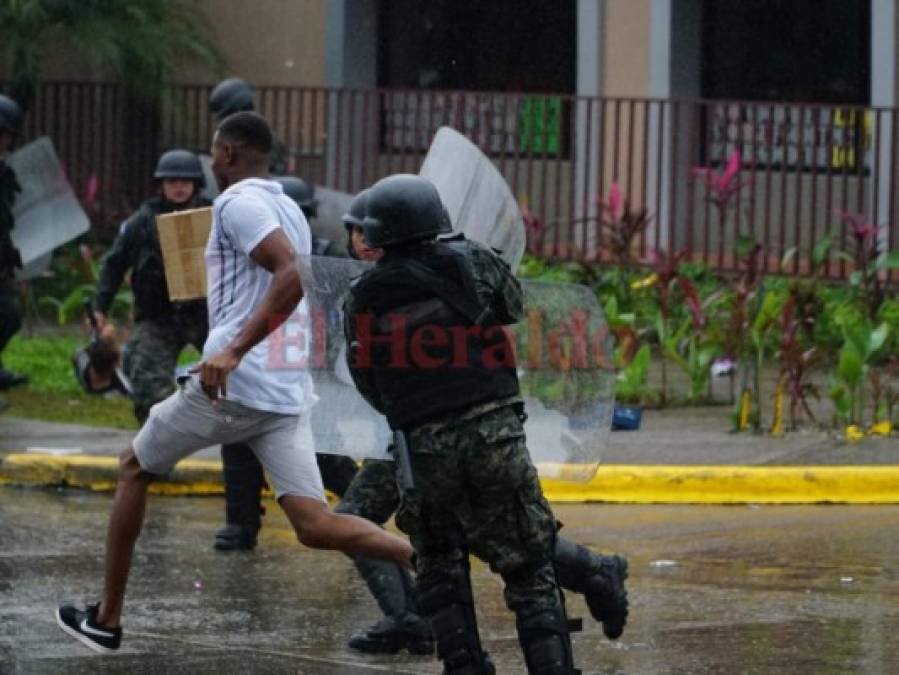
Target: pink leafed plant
x,y
534,228
860,227
621,225
723,186
91,190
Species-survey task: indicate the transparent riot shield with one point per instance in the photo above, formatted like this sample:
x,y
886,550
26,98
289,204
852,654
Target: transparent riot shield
x,y
47,214
563,352
342,422
332,205
479,201
567,377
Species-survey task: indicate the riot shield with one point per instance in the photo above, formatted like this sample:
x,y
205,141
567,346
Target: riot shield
x,y
47,214
332,205
567,377
563,352
479,201
342,422
35,268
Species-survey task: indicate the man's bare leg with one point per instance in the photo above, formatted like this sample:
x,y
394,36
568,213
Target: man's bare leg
x,y
125,522
318,527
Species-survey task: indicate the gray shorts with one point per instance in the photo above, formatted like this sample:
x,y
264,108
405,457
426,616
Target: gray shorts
x,y
187,421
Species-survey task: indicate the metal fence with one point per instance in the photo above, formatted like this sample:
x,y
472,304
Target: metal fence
x,y
801,163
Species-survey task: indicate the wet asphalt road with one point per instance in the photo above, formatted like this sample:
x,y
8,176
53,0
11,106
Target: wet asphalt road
x,y
798,590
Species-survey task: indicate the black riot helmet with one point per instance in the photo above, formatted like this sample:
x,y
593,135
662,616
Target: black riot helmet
x,y
10,115
181,164
402,209
302,192
230,96
355,213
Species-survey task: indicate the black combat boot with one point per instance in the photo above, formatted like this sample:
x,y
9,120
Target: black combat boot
x,y
546,642
447,602
600,578
401,627
244,481
9,379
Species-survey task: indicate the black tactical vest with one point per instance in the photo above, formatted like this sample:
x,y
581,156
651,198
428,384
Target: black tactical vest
x,y
138,249
429,356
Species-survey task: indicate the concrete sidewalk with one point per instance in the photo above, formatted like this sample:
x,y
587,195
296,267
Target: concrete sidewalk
x,y
679,455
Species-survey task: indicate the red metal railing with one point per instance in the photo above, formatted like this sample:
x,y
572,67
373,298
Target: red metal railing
x,y
802,162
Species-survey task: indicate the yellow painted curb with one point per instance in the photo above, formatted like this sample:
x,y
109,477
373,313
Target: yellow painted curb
x,y
635,484
726,484
98,473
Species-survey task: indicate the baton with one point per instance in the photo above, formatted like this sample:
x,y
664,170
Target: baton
x,y
403,460
95,328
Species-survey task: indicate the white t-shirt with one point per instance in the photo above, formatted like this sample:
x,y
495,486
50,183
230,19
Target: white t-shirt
x,y
243,215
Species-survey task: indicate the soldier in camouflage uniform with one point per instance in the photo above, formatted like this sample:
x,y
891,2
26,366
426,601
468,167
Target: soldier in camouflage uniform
x,y
162,328
10,260
374,494
475,488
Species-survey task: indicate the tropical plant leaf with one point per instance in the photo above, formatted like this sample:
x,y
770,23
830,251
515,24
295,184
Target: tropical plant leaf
x,y
821,251
140,41
788,257
850,365
888,261
744,245
878,336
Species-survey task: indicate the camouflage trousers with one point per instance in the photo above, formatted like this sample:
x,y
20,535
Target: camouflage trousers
x,y
373,494
151,357
476,491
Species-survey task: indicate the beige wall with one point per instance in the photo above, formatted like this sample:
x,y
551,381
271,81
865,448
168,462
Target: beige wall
x,y
269,42
282,43
625,55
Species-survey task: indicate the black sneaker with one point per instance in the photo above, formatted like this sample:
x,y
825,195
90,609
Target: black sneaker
x,y
606,595
82,625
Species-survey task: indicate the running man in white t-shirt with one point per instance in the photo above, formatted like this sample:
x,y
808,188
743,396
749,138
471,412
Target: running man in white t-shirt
x,y
235,395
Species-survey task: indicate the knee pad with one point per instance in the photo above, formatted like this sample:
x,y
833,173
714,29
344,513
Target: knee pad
x,y
446,601
546,642
390,584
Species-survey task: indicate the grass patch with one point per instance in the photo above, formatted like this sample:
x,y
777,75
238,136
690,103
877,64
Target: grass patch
x,y
47,361
53,393
70,408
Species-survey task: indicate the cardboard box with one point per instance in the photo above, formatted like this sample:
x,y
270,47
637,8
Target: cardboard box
x,y
182,237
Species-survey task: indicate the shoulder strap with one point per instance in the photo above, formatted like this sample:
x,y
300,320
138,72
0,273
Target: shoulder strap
x,y
448,291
